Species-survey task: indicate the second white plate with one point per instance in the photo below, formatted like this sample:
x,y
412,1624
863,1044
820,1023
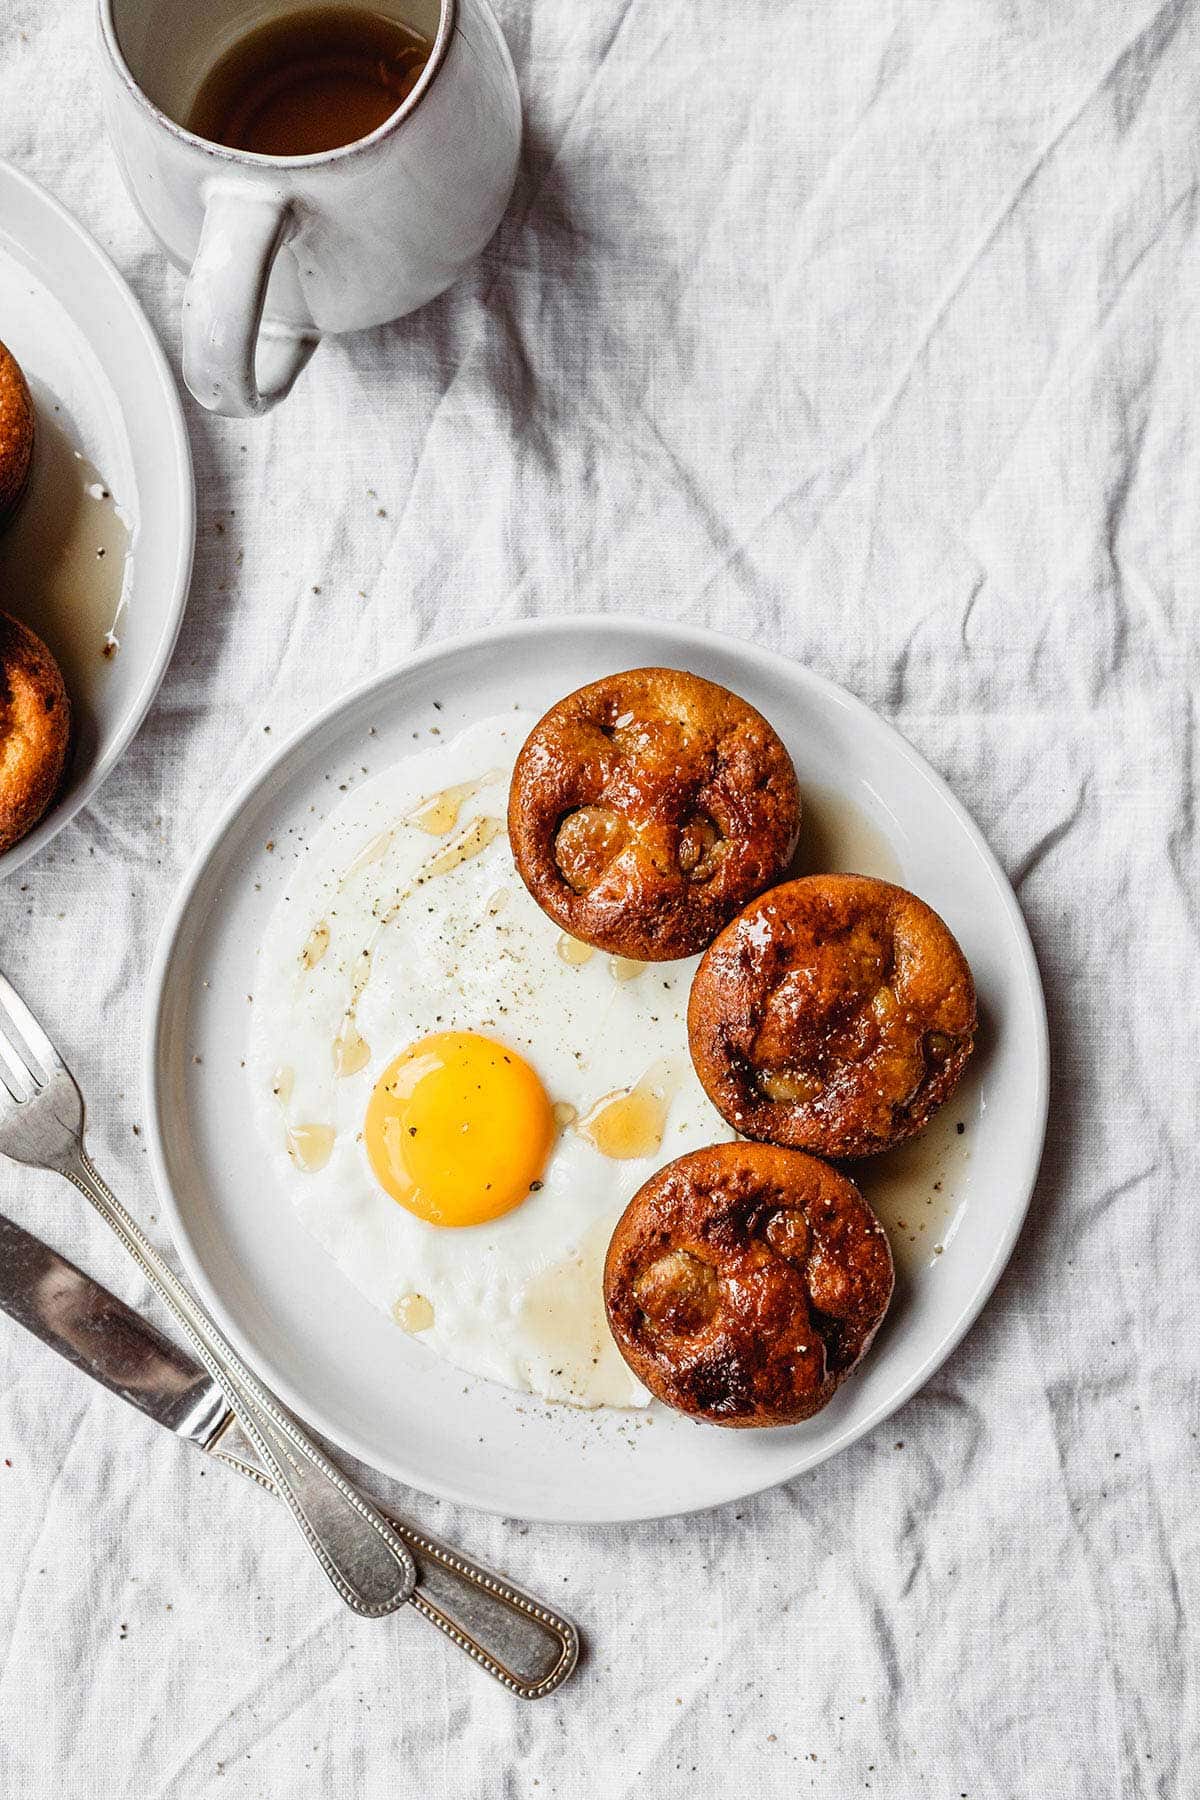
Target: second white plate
x,y
99,556
953,1202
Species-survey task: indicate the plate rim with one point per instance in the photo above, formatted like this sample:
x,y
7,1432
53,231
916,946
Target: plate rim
x,y
634,630
62,811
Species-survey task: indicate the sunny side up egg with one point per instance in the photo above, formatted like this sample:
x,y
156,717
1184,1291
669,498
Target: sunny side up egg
x,y
458,1100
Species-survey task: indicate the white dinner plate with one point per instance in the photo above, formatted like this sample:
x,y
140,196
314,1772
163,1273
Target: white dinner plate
x,y
110,442
954,1201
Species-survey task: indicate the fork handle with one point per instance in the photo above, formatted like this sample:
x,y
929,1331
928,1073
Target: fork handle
x,y
358,1549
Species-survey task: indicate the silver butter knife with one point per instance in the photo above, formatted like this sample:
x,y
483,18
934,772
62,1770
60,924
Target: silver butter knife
x,y
527,1646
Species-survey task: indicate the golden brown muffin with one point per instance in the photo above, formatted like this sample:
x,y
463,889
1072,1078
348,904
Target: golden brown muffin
x,y
16,434
744,1283
35,729
834,1014
646,808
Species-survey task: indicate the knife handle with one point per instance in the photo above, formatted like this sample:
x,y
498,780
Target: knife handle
x,y
527,1647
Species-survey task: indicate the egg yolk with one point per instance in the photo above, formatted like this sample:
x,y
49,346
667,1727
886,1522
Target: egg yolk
x,y
458,1128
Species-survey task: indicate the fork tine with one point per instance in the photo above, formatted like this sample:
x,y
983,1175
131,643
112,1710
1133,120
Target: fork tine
x,y
13,1073
27,1027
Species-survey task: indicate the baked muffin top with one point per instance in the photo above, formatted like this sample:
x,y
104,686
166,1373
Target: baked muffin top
x,y
835,1014
646,808
744,1283
35,729
16,432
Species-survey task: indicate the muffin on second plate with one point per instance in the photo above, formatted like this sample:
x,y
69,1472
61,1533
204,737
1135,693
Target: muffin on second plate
x,y
646,808
743,1284
35,729
835,1014
16,434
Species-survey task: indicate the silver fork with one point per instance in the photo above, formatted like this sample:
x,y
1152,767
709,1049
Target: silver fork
x,y
41,1124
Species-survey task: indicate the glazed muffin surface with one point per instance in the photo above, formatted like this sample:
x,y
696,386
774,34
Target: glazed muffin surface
x,y
646,808
835,1014
16,434
744,1282
35,729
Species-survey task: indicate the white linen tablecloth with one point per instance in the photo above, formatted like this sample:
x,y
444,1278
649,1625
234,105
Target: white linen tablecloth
x,y
867,329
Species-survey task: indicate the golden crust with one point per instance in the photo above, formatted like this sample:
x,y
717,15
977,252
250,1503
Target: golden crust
x,y
745,1282
646,808
835,1014
35,729
16,433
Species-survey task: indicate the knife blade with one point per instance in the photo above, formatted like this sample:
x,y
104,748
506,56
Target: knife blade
x,y
527,1646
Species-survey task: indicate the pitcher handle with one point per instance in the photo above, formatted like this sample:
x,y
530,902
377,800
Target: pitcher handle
x,y
224,342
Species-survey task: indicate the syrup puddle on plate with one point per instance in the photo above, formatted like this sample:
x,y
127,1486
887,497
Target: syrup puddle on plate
x,y
837,836
562,1315
916,1190
63,560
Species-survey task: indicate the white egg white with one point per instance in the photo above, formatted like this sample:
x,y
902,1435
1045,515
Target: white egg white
x,y
465,947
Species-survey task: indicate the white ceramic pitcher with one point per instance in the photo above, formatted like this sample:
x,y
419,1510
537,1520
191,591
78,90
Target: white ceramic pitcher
x,y
283,248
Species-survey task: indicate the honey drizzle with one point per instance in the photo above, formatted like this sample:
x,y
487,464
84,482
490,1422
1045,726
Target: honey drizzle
x,y
572,951
439,813
316,946
413,1312
373,851
471,841
630,1122
309,1146
351,1052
